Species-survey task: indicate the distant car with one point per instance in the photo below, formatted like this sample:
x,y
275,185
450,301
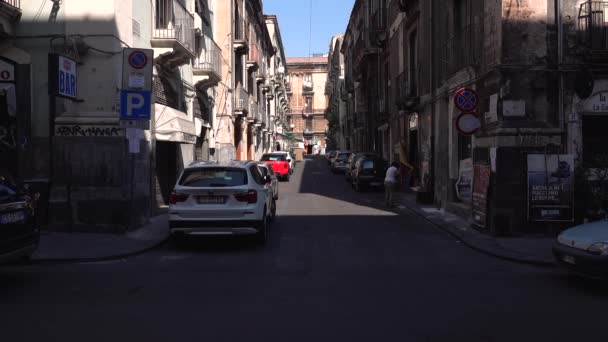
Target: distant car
x,y
369,172
330,156
339,163
231,198
280,163
291,158
352,160
583,249
19,234
274,183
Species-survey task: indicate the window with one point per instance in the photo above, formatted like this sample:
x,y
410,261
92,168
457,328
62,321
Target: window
x,y
256,174
274,157
308,105
213,177
308,77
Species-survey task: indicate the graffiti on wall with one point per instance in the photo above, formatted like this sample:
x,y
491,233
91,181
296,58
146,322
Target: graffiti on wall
x,y
88,131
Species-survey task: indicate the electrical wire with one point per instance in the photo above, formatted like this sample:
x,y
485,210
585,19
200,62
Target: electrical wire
x,y
39,12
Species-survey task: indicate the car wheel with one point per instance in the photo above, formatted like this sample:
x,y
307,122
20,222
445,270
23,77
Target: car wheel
x,y
262,235
273,210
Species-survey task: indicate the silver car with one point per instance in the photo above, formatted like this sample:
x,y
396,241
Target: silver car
x,y
274,180
232,198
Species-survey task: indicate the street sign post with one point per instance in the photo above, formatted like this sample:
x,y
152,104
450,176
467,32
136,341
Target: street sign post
x,y
466,99
468,123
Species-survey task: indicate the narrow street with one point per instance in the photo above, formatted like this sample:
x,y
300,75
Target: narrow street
x,y
338,267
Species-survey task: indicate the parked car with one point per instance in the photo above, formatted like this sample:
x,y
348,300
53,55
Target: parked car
x,y
330,156
280,163
352,160
231,198
274,183
583,249
339,163
369,172
19,234
291,158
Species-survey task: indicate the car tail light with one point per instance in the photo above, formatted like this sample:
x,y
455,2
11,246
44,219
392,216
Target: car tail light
x,y
250,196
177,197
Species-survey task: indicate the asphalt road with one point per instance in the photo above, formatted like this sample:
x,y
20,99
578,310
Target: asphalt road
x,y
338,267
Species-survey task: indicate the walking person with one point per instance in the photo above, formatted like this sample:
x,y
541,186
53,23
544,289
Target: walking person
x,y
390,183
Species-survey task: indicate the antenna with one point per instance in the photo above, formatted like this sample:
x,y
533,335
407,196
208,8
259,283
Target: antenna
x,y
310,28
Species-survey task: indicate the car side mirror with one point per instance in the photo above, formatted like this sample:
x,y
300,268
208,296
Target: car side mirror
x,y
267,180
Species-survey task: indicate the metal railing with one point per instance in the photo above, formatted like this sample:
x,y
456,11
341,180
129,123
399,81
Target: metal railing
x,y
173,21
14,3
210,57
241,29
593,24
254,54
307,85
241,101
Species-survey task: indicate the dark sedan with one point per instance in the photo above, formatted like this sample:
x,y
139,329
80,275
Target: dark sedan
x,y
19,234
369,172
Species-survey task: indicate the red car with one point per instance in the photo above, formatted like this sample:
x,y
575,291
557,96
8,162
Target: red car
x,y
279,164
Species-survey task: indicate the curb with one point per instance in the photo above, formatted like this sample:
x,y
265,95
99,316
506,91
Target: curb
x,y
508,256
110,257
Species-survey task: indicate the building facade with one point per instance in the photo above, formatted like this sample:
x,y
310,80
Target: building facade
x,y
208,101
307,78
336,110
535,71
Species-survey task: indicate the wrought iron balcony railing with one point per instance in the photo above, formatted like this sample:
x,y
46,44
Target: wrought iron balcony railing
x,y
593,25
14,3
173,22
241,101
209,62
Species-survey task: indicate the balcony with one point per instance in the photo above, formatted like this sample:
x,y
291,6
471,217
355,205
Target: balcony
x,y
253,58
362,49
241,101
260,77
10,12
379,34
207,68
241,36
252,114
173,29
307,87
593,29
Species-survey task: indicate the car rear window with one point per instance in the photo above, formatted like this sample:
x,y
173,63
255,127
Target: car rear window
x,y
274,157
343,156
371,164
213,177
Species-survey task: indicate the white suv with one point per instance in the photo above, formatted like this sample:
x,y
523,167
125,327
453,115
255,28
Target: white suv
x,y
230,198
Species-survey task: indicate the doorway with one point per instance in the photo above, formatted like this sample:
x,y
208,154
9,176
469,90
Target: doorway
x,y
166,171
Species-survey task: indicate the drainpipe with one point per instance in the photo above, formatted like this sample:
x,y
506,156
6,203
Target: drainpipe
x,y
560,61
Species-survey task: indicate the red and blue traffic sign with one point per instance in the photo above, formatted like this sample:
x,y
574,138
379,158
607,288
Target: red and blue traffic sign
x,y
466,99
138,59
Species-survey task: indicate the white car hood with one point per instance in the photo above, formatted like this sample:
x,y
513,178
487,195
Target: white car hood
x,y
584,235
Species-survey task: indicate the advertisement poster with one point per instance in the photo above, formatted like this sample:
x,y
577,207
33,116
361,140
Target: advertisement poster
x,y
550,187
464,185
481,184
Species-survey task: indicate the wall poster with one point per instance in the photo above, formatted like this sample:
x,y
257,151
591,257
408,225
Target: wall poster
x,y
550,187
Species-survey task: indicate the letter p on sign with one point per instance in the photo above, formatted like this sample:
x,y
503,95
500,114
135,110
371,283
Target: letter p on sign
x,y
135,105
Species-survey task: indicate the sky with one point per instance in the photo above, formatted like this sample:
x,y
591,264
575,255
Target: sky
x,y
329,17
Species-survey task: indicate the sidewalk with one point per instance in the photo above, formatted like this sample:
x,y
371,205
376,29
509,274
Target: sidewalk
x,y
536,251
58,247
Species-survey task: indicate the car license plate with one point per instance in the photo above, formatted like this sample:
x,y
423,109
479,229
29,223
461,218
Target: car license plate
x,y
569,259
16,216
211,199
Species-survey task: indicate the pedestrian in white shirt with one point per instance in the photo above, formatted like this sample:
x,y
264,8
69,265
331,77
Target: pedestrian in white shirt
x,y
390,183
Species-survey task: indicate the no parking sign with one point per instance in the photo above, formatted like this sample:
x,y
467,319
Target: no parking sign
x,y
466,99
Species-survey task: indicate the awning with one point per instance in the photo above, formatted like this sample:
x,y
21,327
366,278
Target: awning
x,y
288,137
173,125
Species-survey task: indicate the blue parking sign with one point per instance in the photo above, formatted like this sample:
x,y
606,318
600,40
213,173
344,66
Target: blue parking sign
x,y
135,104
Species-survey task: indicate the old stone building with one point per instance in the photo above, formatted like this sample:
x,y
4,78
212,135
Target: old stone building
x,y
473,94
336,94
212,63
307,101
